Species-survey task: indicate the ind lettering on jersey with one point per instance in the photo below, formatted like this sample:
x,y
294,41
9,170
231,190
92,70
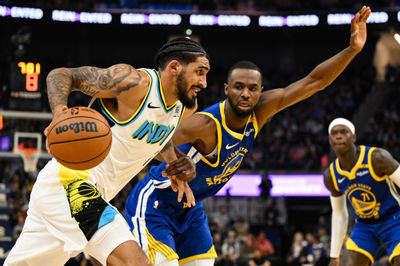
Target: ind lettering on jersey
x,y
156,133
231,164
363,201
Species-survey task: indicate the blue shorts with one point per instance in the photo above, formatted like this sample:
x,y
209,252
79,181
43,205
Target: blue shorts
x,y
158,226
365,238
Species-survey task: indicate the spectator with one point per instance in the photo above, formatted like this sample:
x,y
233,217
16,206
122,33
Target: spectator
x,y
247,250
298,251
230,249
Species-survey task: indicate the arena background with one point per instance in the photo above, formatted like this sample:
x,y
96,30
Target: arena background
x,y
283,184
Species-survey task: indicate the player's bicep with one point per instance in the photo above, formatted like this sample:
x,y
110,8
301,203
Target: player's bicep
x,y
274,101
105,82
383,162
193,130
268,105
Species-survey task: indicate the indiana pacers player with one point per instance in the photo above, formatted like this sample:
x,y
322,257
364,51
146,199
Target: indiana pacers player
x,y
69,210
219,139
367,177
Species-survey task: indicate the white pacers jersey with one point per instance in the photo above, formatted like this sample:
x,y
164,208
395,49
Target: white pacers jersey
x,y
137,140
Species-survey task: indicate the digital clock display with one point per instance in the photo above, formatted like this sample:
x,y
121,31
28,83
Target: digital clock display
x,y
25,85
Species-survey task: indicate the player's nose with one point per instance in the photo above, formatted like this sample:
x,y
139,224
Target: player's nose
x,y
245,93
203,82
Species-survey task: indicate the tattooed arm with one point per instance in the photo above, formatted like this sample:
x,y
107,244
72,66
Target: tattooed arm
x,y
93,81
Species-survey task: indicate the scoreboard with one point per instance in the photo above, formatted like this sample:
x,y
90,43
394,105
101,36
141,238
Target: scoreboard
x,y
25,86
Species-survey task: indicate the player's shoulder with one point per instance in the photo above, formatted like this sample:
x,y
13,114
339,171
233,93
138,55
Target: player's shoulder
x,y
329,183
380,155
327,172
201,121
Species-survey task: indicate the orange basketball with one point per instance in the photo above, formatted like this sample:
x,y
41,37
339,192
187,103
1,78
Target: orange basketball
x,y
80,138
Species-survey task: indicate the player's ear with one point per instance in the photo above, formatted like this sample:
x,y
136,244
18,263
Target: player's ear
x,y
174,66
354,138
226,87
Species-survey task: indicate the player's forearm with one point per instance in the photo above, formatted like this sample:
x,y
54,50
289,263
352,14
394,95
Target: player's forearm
x,y
339,224
59,86
326,72
167,154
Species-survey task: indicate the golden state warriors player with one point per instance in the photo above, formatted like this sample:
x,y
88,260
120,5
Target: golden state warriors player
x,y
69,210
219,139
367,177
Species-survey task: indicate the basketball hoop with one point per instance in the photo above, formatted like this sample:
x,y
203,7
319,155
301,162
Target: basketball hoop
x,y
30,157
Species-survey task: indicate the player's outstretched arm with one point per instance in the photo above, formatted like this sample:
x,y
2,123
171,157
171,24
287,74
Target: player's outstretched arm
x,y
273,101
99,82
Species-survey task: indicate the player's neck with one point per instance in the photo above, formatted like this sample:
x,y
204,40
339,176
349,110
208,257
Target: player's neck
x,y
168,89
349,159
233,121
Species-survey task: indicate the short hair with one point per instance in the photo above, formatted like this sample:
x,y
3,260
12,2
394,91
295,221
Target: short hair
x,y
245,65
184,50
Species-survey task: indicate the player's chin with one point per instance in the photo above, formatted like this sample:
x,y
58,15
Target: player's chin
x,y
340,148
190,102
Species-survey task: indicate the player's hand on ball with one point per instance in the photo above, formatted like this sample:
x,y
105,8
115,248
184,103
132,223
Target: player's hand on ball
x,y
57,112
182,168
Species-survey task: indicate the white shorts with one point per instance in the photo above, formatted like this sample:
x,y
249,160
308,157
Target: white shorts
x,y
51,235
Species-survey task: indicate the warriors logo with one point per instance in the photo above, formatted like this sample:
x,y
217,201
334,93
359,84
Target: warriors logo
x,y
230,166
363,202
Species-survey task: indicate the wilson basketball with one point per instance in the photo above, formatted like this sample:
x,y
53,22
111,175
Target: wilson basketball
x,y
80,138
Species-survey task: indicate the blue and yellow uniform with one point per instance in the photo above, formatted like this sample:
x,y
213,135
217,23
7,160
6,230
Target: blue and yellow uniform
x,y
160,222
374,202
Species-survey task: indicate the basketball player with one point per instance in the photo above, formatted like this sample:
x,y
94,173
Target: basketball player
x,y
69,210
169,231
367,177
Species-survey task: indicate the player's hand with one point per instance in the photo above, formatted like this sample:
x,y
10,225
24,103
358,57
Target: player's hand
x,y
334,262
359,29
56,113
182,187
182,168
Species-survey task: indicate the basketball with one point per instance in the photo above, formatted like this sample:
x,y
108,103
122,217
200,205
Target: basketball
x,y
80,138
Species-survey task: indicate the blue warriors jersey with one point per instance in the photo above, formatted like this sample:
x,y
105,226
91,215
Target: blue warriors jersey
x,y
371,198
233,148
161,223
374,202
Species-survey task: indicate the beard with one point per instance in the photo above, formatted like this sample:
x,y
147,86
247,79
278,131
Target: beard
x,y
181,84
238,112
